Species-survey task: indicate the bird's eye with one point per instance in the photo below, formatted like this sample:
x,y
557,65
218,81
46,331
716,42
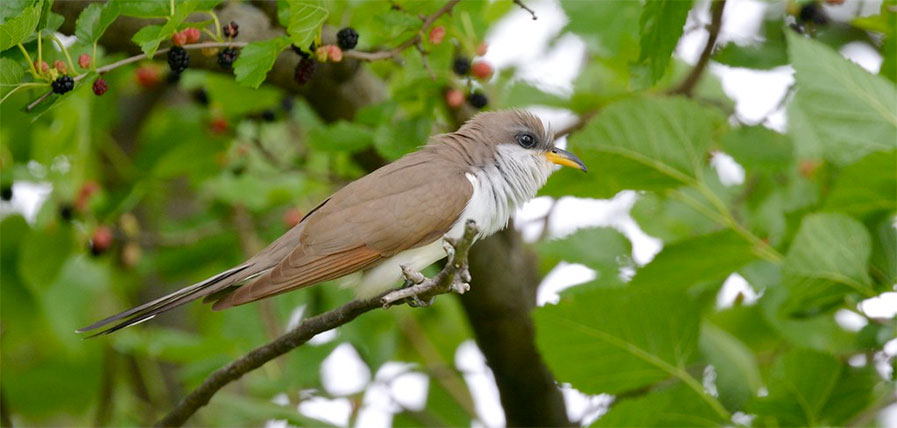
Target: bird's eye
x,y
526,140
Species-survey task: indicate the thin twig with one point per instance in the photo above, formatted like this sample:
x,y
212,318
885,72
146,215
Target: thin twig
x,y
447,279
391,53
576,126
716,23
135,58
523,6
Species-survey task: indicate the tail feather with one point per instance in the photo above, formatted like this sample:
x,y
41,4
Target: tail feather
x,y
170,301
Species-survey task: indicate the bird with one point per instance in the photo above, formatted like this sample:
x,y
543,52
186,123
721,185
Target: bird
x,y
393,217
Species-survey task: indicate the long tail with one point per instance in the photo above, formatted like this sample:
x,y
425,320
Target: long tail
x,y
165,303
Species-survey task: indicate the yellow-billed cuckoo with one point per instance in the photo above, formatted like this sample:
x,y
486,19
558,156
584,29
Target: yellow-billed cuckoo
x,y
391,217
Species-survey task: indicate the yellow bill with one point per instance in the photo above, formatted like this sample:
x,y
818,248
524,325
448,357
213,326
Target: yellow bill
x,y
565,158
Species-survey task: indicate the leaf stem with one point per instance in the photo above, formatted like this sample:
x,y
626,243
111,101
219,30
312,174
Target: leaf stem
x,y
30,62
23,85
217,34
766,251
64,51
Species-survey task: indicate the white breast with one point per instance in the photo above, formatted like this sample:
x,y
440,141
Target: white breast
x,y
498,190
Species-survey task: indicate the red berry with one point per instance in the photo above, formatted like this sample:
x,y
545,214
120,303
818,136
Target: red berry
x,y
88,189
84,61
41,66
192,34
808,168
59,66
100,86
218,125
179,38
101,240
334,52
231,30
454,98
147,76
437,34
482,48
481,70
292,217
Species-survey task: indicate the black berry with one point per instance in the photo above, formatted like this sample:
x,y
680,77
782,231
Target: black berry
x,y
268,115
66,212
812,12
100,86
6,192
231,30
347,38
477,99
178,59
305,70
226,57
63,84
461,66
201,96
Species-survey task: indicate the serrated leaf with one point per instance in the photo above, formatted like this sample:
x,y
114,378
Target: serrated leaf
x,y
611,340
306,18
17,28
866,187
660,27
827,259
853,112
688,262
94,20
150,36
601,248
13,8
256,60
641,144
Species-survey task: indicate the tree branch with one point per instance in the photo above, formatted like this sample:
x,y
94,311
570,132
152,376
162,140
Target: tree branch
x,y
444,281
688,85
391,53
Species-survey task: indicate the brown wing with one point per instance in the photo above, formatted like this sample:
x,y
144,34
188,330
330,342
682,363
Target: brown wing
x,y
406,204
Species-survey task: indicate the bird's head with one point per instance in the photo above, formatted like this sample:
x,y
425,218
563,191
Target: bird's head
x,y
521,135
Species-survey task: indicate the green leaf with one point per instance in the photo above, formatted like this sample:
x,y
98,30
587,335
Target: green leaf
x,y
11,74
150,36
827,259
759,148
670,219
43,254
342,136
660,27
866,187
257,59
853,112
521,94
809,388
643,144
392,26
12,8
396,140
688,262
306,18
737,374
601,248
16,29
612,340
676,406
609,28
94,20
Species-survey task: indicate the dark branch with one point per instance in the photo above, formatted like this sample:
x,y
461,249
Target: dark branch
x,y
443,282
523,6
688,85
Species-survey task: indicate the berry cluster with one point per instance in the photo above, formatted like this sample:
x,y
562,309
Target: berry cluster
x,y
226,57
464,68
346,39
63,84
231,30
178,59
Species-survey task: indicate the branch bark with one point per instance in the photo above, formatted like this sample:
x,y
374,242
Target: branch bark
x,y
716,22
443,282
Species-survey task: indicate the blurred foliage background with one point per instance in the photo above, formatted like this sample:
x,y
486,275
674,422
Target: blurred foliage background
x,y
166,179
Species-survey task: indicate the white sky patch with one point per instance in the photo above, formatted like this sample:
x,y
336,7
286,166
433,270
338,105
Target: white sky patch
x,y
864,55
850,320
481,383
882,306
324,337
410,390
333,411
730,172
343,372
560,278
27,198
583,408
734,286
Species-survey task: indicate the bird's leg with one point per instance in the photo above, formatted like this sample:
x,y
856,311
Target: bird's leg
x,y
412,278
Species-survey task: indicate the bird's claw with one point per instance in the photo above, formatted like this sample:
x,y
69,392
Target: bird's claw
x,y
416,302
